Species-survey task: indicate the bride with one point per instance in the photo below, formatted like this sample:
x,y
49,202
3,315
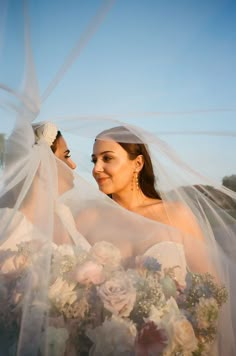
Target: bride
x,y
58,226
43,135
124,171
62,208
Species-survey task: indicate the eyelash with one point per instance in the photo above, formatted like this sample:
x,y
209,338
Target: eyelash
x,y
104,158
67,156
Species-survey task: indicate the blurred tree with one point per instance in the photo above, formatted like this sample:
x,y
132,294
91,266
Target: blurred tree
x,y
230,182
2,144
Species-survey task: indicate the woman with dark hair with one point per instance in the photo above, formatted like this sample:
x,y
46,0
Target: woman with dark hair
x,y
126,166
61,151
123,170
143,174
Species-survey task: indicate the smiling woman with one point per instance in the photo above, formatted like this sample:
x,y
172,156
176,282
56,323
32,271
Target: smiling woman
x,y
124,170
135,267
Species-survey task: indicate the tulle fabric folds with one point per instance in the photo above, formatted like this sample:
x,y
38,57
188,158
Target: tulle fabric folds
x,y
45,207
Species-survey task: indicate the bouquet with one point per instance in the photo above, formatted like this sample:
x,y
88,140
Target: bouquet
x,y
98,307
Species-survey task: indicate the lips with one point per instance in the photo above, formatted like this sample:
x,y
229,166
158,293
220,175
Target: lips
x,y
102,180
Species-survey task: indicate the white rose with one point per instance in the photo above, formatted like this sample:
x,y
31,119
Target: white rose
x,y
89,272
179,329
118,295
114,337
61,292
106,253
181,334
184,335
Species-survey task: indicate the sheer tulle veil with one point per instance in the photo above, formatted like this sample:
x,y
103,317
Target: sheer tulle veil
x,y
39,192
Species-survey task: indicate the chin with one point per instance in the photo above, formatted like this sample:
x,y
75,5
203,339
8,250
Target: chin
x,y
104,190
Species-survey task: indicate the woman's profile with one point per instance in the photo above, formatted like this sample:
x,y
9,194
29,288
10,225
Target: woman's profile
x,y
25,204
123,170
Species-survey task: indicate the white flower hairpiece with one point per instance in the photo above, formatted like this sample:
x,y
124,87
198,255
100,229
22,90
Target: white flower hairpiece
x,y
46,131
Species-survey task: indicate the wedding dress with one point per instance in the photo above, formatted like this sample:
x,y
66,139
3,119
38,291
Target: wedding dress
x,y
20,229
170,255
87,216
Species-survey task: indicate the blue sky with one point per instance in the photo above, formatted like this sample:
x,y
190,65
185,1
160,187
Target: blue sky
x,y
175,58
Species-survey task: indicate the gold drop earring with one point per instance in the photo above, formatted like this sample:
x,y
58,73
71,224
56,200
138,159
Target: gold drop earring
x,y
137,181
133,181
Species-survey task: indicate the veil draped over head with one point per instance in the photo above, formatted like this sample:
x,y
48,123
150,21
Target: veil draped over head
x,y
45,205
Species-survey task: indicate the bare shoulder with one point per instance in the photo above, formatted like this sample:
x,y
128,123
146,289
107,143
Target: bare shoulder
x,y
184,219
178,208
173,213
159,207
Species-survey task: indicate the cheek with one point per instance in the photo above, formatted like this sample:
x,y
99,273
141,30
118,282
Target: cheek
x,y
114,169
121,175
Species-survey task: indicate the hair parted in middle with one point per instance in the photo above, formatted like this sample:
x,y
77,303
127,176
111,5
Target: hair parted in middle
x,y
134,147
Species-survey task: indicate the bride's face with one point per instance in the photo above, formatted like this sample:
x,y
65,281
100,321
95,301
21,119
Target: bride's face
x,y
113,170
63,153
65,175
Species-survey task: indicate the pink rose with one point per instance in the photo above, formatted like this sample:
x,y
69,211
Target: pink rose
x,y
106,254
118,295
89,272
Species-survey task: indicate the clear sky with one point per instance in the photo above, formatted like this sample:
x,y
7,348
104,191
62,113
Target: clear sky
x,y
164,60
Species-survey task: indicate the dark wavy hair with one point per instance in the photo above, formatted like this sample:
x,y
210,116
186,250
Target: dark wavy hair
x,y
134,148
55,142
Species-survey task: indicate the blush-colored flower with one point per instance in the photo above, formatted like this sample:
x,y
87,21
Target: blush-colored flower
x,y
14,263
150,340
106,253
89,272
118,295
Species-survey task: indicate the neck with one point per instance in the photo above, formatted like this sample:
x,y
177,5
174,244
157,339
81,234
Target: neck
x,y
131,200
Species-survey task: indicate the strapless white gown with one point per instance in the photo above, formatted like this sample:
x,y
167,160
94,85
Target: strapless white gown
x,y
19,229
170,254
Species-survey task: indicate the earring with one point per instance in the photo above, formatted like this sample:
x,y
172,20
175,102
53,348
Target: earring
x,y
137,181
132,182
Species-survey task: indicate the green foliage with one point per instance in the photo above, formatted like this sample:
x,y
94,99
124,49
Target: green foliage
x,y
230,182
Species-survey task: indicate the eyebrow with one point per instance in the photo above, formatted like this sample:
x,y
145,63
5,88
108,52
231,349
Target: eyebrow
x,y
67,151
102,153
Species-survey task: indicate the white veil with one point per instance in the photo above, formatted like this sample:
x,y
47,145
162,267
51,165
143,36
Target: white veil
x,y
33,207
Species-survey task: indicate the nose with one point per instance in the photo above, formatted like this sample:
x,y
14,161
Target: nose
x,y
71,163
97,167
